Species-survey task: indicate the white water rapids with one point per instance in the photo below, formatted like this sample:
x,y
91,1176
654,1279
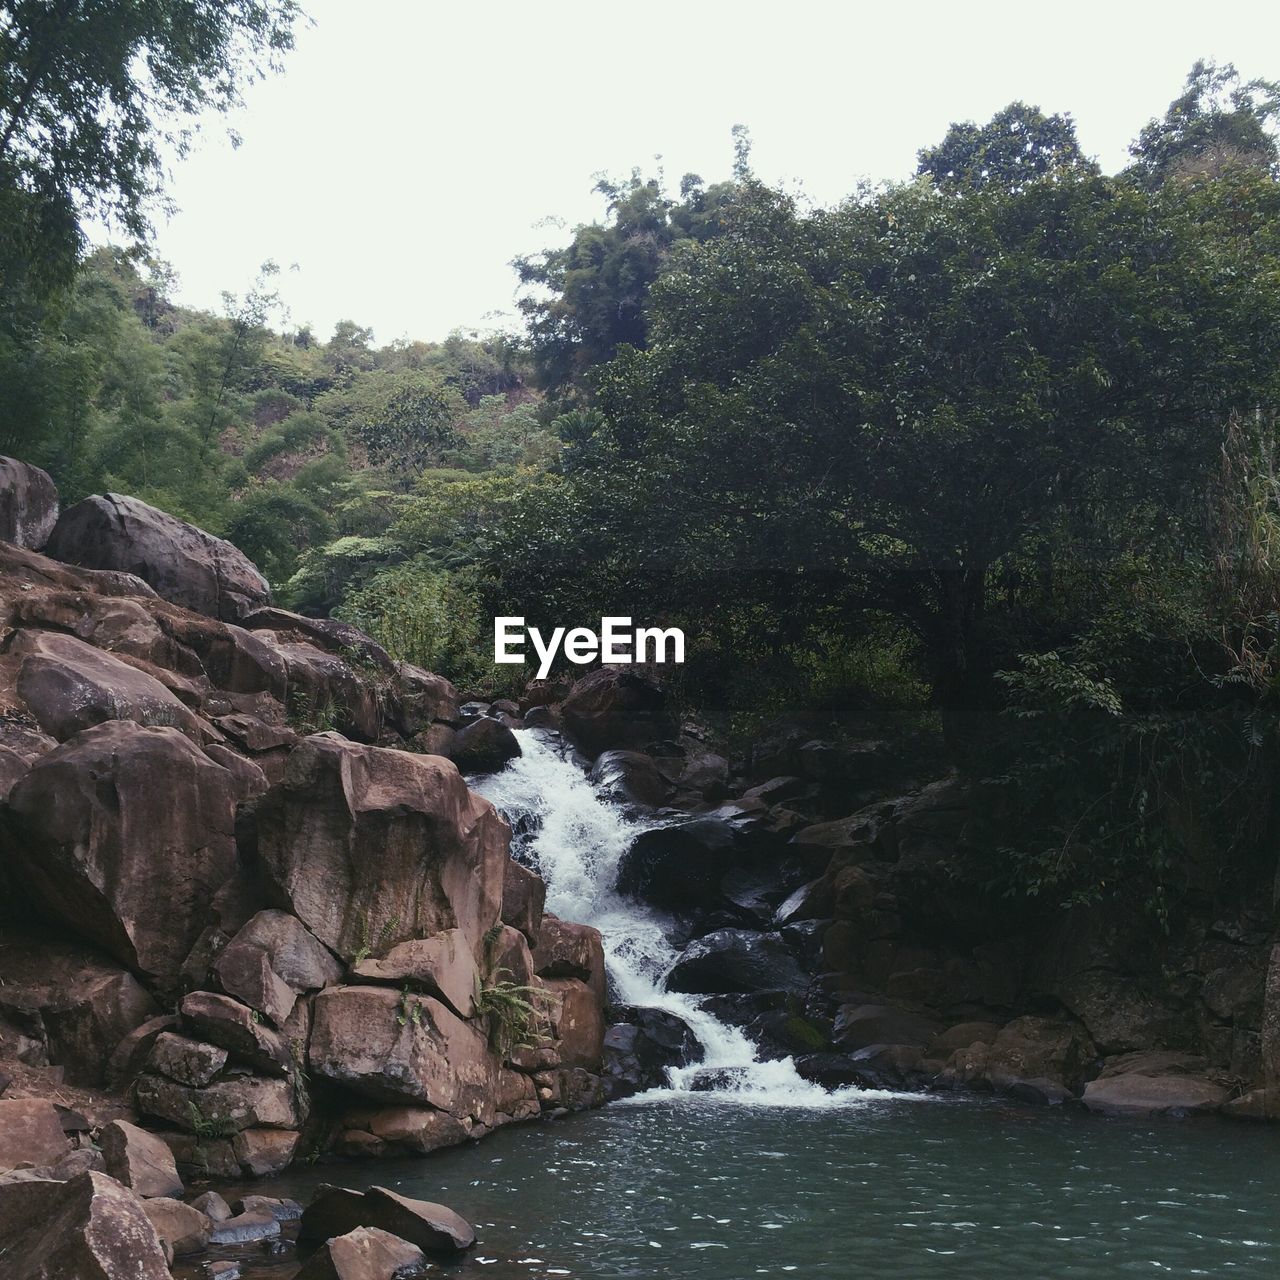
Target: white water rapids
x,y
577,843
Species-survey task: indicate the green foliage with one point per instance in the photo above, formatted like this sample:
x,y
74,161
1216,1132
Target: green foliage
x,y
516,1014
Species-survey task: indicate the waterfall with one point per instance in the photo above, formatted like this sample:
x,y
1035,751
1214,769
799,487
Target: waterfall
x,y
576,839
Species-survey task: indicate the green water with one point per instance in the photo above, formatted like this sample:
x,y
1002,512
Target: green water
x,y
690,1187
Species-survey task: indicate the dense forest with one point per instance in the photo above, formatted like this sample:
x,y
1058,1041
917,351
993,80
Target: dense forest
x,y
983,462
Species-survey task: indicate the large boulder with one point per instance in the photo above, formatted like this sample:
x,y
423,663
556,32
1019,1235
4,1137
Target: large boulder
x,y
227,1106
30,1133
639,1052
858,1026
370,847
101,847
737,960
367,1253
614,707
68,686
524,895
139,1160
180,1226
483,746
441,965
630,777
568,950
182,563
28,504
683,866
1146,1095
397,1046
435,1229
90,1228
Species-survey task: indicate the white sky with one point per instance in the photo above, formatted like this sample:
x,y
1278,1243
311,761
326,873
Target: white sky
x,y
411,149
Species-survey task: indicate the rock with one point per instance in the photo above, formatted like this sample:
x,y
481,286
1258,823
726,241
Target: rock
x,y
566,950
421,700
134,1049
30,1133
100,847
682,866
139,1160
248,778
731,960
254,735
393,1046
181,1226
90,1228
235,1027
1257,1104
28,504
887,1066
961,1036
637,1054
262,1153
1039,1092
213,1206
328,633
1142,1095
1153,1062
366,1253
418,1129
706,774
1032,1048
246,1228
577,1024
271,961
282,1210
182,563
483,746
812,901
441,965
544,693
435,1229
226,1107
368,845
189,1062
203,1157
862,1025
830,1070
613,707
630,777
524,895
68,686
855,838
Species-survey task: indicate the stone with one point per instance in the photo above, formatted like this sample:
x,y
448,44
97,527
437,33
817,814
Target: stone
x,y
577,1024
613,707
227,1106
181,1226
396,1046
363,843
567,950
421,699
282,1210
638,1053
524,896
419,1129
263,1153
181,562
203,1157
246,1228
189,1062
830,1070
139,1160
435,1229
682,866
484,746
89,1228
129,1055
28,504
441,965
732,960
961,1036
1257,1104
366,1253
213,1206
1142,1095
630,777
1032,1048
100,847
235,1027
858,1026
812,901
30,1133
255,735
68,686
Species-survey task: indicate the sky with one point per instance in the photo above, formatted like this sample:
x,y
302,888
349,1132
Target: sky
x,y
411,149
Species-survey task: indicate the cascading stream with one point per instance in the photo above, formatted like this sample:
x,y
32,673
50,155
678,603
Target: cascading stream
x,y
577,840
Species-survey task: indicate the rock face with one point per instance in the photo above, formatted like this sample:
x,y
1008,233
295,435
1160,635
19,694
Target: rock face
x,y
28,504
366,845
90,1227
102,848
181,562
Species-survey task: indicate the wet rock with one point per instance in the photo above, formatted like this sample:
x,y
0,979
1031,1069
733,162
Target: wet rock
x,y
189,1062
888,1066
271,961
812,901
1031,1048
433,1228
630,777
30,1133
100,847
737,960
246,1228
1143,1095
395,1046
858,1026
612,707
235,1027
681,867
28,504
638,1053
282,1210
1257,1104
363,843
88,1227
441,965
139,1160
182,563
524,895
569,1089
483,746
366,1253
181,1226
830,1070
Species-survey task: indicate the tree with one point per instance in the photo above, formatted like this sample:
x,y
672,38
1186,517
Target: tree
x,y
1020,144
93,91
1217,121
